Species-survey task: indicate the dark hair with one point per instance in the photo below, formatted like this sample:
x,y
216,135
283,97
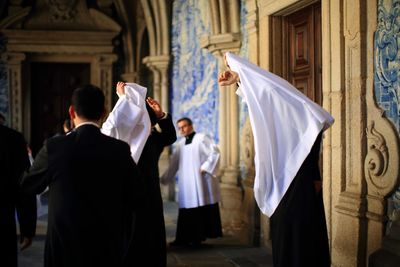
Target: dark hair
x,y
88,102
152,115
189,121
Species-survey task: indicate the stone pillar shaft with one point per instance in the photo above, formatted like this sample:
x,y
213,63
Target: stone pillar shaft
x,y
14,63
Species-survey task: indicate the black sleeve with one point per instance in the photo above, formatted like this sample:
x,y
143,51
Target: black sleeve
x,y
168,133
26,213
25,202
35,180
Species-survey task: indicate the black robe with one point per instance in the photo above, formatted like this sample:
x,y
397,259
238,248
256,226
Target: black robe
x,y
149,244
94,190
298,228
13,162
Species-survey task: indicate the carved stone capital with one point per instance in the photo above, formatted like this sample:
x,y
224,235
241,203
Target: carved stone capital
x,y
105,59
218,44
13,58
159,63
129,76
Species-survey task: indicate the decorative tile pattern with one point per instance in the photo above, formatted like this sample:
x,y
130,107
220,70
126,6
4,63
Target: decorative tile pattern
x,y
387,61
4,97
244,50
194,86
386,73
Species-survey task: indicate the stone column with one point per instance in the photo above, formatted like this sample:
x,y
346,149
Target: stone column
x,y
101,75
129,77
14,63
250,210
348,221
231,193
159,65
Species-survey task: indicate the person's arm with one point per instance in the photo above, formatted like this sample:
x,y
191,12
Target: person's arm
x,y
35,180
210,165
168,131
173,167
228,77
164,120
25,202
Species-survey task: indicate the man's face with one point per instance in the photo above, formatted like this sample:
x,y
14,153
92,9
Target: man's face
x,y
184,128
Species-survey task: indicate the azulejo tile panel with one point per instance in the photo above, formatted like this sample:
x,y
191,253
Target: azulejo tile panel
x,y
4,97
386,72
386,61
194,86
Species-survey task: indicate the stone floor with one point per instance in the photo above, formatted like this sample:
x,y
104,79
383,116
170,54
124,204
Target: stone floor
x,y
222,252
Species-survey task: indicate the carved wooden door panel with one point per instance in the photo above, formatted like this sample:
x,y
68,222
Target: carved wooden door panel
x,y
304,51
51,90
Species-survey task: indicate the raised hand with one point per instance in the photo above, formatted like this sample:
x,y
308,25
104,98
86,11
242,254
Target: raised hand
x,y
120,88
228,77
156,107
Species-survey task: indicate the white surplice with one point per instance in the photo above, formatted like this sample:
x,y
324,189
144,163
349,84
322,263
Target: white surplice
x,y
195,189
285,125
129,120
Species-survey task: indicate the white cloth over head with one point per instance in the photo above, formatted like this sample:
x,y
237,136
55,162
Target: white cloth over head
x,y
129,120
285,125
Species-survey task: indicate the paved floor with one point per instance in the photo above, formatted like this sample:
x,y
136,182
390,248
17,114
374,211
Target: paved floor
x,y
222,252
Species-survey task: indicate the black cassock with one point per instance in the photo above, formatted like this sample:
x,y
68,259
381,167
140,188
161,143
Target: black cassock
x,y
13,162
94,190
298,228
149,243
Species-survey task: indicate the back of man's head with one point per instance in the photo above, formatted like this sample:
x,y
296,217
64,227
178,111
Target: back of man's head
x,y
88,102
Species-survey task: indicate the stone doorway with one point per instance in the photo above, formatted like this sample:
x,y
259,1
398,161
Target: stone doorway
x,y
51,88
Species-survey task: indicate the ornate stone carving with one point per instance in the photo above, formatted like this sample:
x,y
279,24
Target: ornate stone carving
x,y
248,153
62,10
377,160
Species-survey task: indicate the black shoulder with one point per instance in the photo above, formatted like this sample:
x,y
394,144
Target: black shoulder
x,y
11,135
116,142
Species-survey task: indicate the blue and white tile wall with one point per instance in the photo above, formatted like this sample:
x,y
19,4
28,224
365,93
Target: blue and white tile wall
x,y
244,49
194,86
387,71
4,97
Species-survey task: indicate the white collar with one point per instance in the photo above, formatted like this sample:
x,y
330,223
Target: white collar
x,y
87,123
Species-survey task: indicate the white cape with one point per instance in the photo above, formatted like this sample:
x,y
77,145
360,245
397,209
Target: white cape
x,y
285,125
129,120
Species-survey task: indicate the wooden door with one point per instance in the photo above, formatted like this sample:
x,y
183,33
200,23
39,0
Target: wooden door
x,y
51,89
304,71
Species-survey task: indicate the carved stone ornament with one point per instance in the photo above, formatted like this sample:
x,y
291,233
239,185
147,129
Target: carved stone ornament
x,y
376,163
62,10
247,152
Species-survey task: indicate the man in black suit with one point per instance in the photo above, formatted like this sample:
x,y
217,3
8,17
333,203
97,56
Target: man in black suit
x,y
13,162
94,189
